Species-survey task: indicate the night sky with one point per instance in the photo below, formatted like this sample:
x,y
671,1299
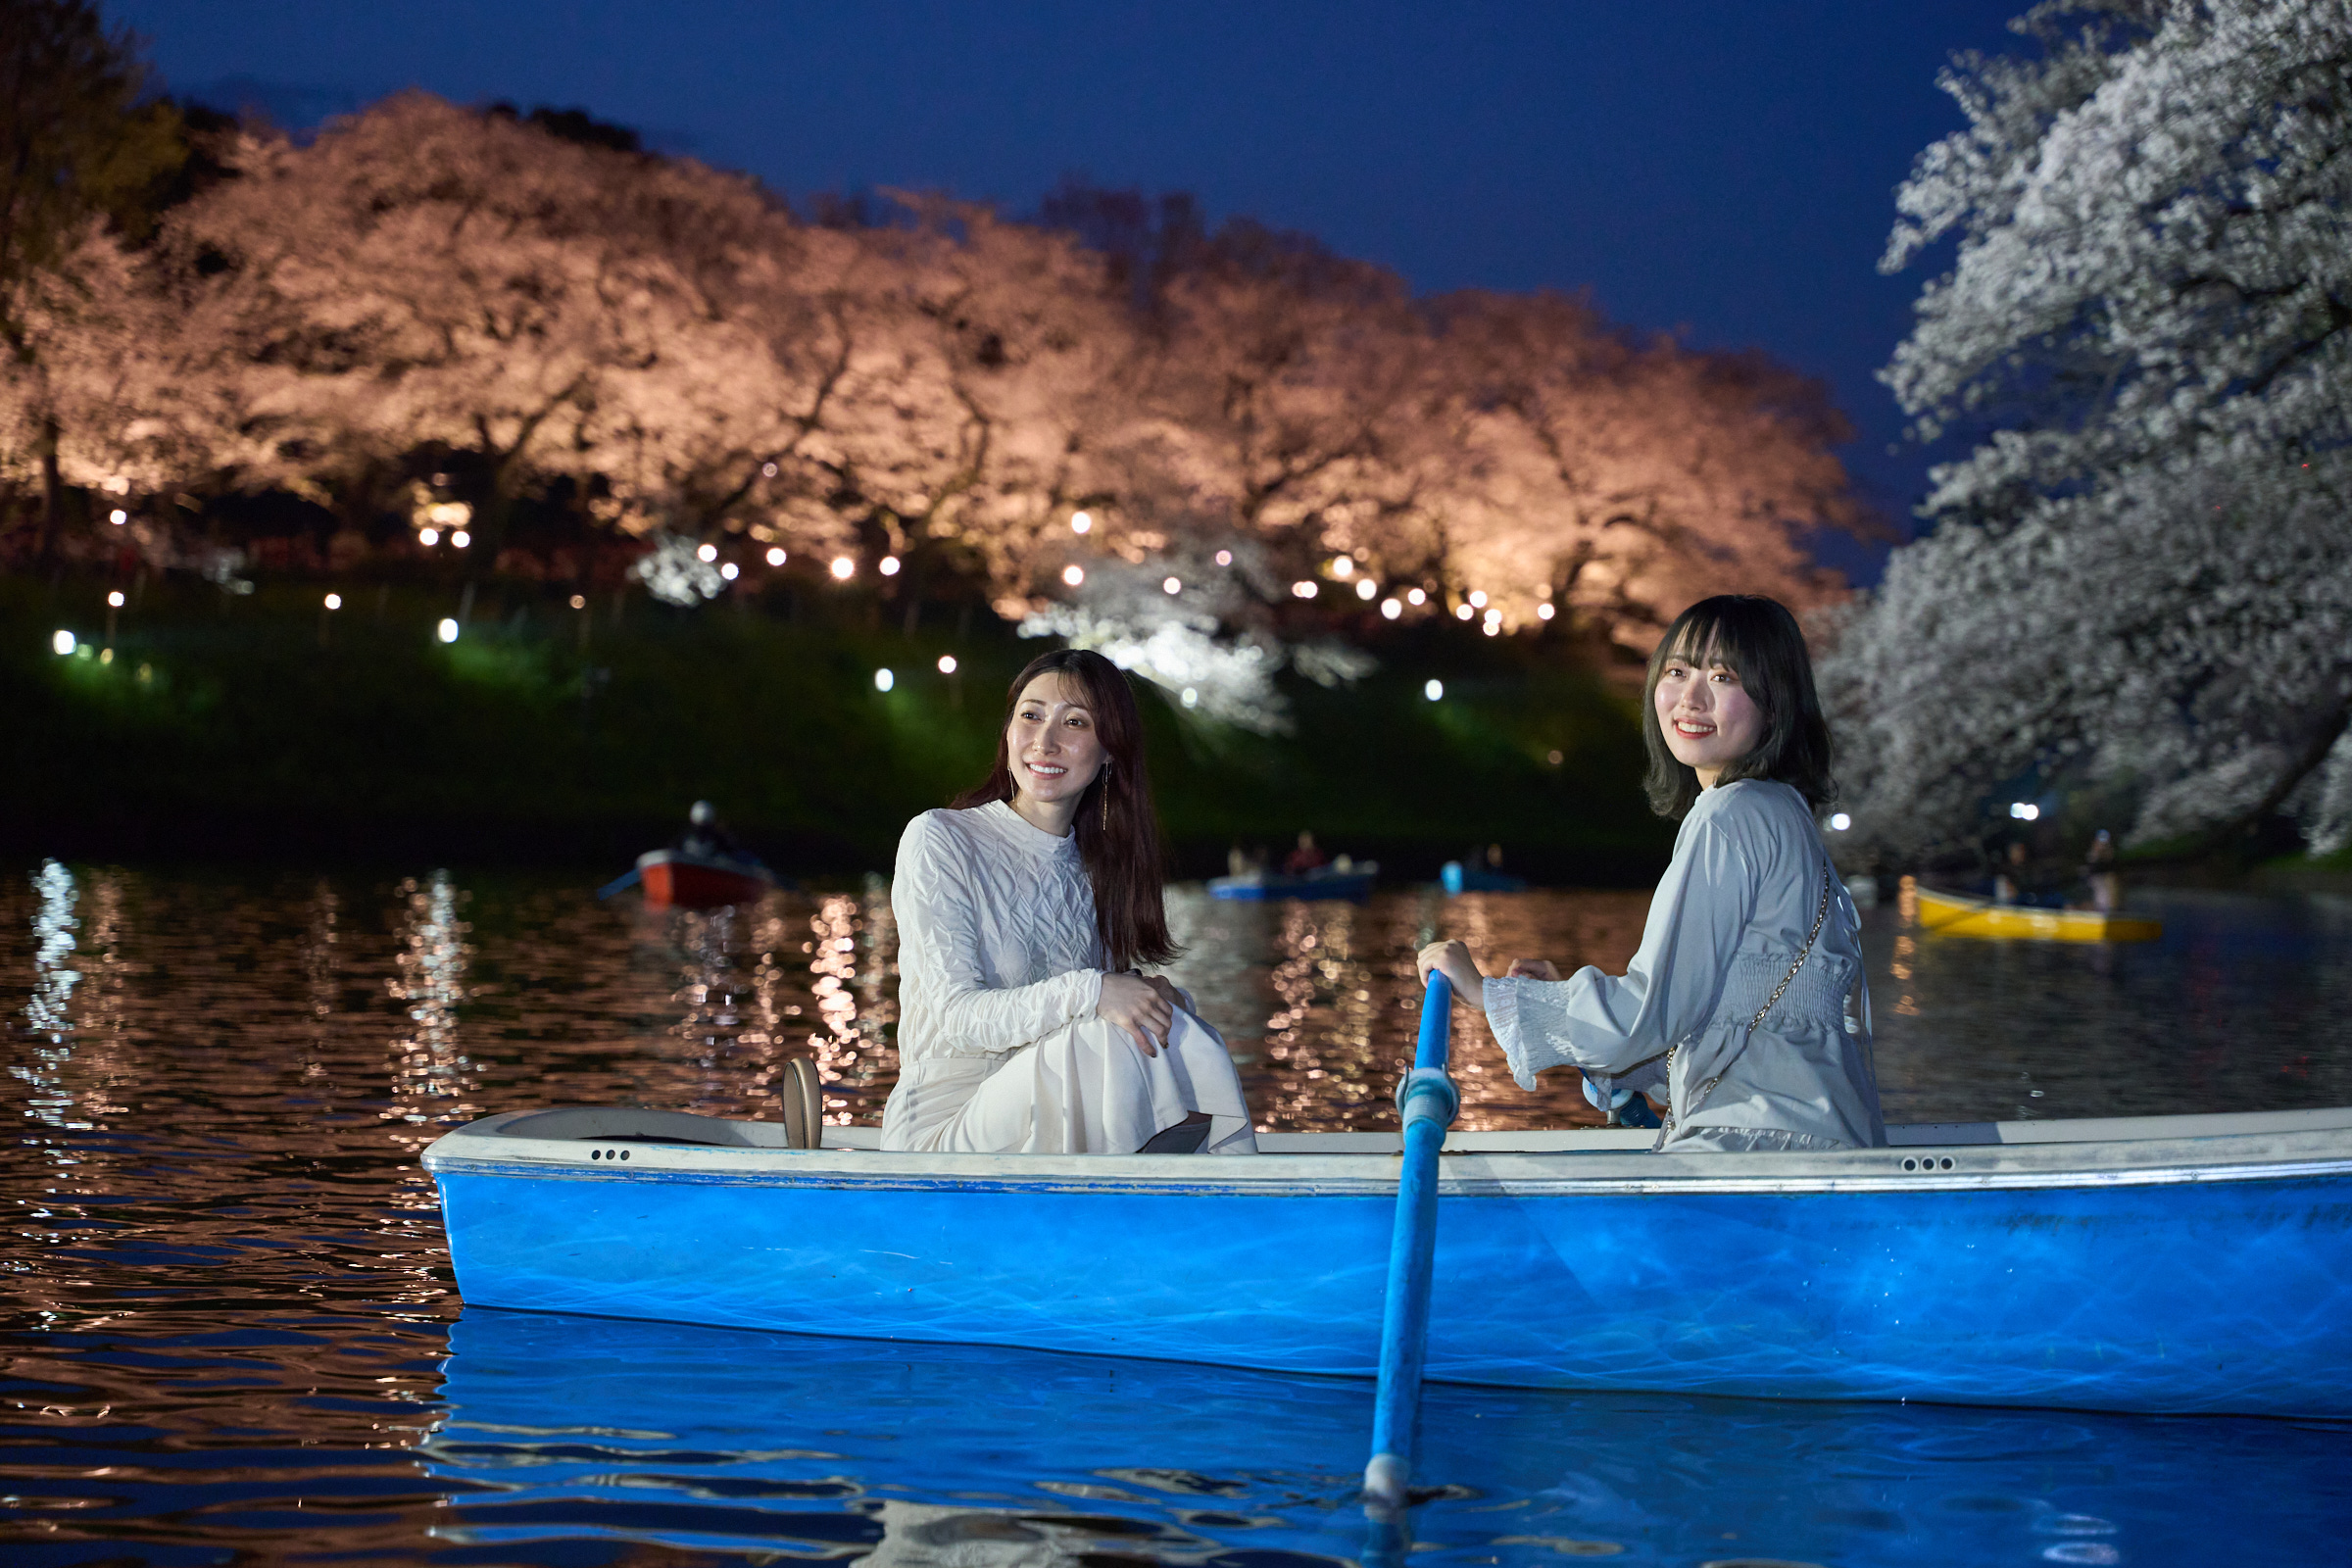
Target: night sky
x,y
1721,169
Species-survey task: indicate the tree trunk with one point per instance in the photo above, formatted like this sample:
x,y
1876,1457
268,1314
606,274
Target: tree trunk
x,y
53,492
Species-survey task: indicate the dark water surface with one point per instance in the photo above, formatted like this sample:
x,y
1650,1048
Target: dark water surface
x,y
233,1336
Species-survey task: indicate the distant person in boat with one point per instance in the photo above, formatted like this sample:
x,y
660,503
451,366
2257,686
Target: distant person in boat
x,y
1307,857
1746,1004
2098,869
706,837
2010,883
1025,911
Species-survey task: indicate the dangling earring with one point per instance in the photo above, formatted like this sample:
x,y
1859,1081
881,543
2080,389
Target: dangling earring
x,y
1106,794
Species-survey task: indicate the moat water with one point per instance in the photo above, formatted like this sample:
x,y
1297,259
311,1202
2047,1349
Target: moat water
x,y
233,1334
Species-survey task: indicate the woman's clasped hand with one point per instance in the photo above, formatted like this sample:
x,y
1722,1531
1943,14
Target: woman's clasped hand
x,y
1145,1006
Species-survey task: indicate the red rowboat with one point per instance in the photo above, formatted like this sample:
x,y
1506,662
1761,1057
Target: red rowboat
x,y
701,881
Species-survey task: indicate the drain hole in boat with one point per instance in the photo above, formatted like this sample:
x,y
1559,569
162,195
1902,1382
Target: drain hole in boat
x,y
1910,1164
1947,1162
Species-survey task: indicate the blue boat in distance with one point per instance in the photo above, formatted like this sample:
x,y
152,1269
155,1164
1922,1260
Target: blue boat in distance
x,y
1458,879
1355,884
2170,1264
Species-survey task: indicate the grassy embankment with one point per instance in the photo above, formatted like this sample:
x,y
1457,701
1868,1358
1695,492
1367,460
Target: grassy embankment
x,y
225,729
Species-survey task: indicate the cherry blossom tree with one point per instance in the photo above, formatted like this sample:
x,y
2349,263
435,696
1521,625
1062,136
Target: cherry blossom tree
x,y
2140,574
79,154
525,301
1621,480
425,275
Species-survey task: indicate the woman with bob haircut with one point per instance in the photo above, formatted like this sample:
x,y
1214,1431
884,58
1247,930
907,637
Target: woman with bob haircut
x,y
1746,1001
1024,911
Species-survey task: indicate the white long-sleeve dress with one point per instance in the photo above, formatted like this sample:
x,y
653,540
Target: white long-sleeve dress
x,y
1000,969
1732,913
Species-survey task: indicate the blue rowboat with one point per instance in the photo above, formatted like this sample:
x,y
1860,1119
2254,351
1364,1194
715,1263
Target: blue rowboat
x,y
2182,1264
1458,879
1353,884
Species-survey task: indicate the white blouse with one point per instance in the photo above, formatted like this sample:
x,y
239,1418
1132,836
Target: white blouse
x,y
1729,917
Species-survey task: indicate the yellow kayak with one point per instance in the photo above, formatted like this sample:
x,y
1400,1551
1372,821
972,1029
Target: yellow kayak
x,y
1958,914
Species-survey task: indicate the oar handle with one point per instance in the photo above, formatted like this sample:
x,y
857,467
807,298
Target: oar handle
x,y
1428,1102
620,884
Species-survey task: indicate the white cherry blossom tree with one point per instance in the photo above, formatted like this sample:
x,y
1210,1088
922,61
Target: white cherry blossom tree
x,y
2139,575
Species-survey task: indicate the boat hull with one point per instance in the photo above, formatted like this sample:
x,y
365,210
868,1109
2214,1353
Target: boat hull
x,y
1952,914
2019,1276
691,882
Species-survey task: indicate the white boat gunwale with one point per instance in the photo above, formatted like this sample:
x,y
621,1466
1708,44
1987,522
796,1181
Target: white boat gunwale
x,y
2224,1147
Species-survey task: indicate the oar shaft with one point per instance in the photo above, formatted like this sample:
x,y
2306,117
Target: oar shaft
x,y
1428,1102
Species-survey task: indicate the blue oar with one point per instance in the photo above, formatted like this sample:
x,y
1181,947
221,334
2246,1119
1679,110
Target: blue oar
x,y
620,884
1429,1103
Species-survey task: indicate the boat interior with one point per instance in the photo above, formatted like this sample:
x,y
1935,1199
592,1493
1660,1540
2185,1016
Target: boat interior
x,y
615,1124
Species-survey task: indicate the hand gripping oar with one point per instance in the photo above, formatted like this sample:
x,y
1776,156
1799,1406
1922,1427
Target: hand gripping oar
x,y
1428,1100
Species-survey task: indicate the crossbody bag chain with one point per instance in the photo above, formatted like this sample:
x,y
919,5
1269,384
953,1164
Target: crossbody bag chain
x,y
1819,917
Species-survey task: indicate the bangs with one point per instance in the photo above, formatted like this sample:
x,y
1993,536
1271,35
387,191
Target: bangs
x,y
1711,632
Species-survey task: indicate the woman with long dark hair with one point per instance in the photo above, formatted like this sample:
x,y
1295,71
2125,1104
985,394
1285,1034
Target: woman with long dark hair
x,y
1746,1004
1025,911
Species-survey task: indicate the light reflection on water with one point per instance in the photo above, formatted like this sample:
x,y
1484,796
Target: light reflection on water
x,y
235,1315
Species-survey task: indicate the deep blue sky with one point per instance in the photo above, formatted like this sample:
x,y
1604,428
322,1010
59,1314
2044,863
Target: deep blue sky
x,y
1723,170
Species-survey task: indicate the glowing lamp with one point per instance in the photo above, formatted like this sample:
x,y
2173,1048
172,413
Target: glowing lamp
x,y
118,517
1192,697
460,539
1493,629
1544,611
1478,597
947,663
334,601
1080,522
2025,810
884,680
428,537
767,470
888,566
1554,757
63,645
1224,558
843,569
1391,609
1073,574
1463,611
1171,585
447,631
1304,588
707,553
114,601
1414,596
1433,689
579,601
1366,588
775,555
1343,566
730,572
1839,823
